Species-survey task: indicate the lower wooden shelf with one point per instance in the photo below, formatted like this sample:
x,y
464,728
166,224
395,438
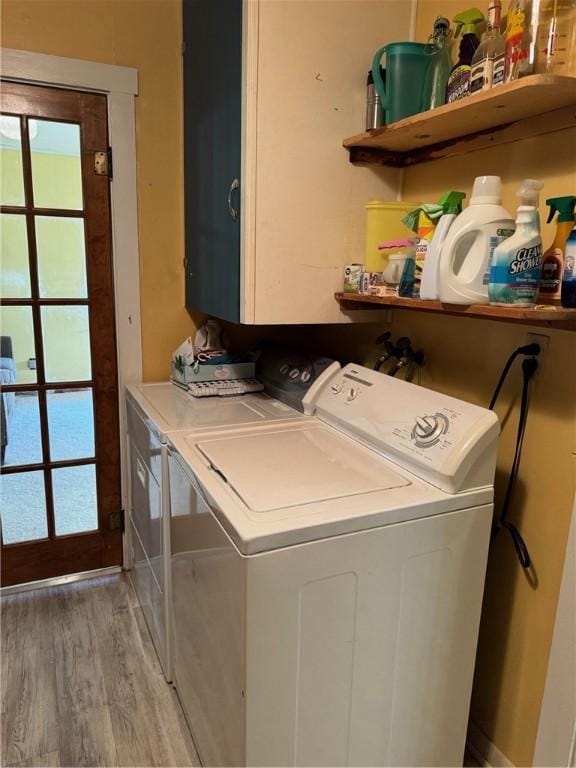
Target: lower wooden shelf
x,y
544,316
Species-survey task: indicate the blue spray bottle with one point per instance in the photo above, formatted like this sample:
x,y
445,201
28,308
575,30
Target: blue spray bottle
x,y
517,261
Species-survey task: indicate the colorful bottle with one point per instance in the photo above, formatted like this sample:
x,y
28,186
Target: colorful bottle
x,y
553,261
451,203
459,80
517,262
569,274
556,38
466,256
488,62
521,26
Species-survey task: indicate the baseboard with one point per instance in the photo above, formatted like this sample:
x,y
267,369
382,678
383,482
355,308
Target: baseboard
x,y
484,751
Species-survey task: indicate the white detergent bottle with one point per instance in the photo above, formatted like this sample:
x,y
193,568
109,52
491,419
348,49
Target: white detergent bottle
x,y
517,262
466,256
451,203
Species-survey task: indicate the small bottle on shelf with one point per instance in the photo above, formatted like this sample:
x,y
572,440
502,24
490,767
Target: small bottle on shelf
x,y
521,25
568,293
488,61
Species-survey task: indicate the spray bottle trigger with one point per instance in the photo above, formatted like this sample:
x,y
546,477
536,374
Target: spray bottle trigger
x,y
551,213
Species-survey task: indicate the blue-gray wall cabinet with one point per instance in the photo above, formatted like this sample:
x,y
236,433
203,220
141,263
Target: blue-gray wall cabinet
x,y
212,31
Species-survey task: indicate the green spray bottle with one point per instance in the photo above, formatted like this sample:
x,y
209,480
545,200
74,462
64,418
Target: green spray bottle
x,y
451,204
553,261
467,24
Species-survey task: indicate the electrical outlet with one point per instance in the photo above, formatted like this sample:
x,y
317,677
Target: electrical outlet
x,y
543,341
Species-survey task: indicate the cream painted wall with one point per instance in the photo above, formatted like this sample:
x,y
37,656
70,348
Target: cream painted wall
x,y
144,34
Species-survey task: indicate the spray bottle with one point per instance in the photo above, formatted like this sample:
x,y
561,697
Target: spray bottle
x,y
517,262
459,80
451,203
553,261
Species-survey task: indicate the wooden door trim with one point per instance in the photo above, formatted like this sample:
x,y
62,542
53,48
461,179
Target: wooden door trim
x,y
120,84
56,555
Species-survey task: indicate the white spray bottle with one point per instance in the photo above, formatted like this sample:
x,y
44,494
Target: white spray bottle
x,y
517,262
451,203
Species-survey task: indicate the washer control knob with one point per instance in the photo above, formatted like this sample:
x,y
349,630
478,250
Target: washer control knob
x,y
337,387
352,394
294,373
428,429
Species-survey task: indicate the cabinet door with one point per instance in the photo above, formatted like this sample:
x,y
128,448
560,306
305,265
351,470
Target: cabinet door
x,y
212,148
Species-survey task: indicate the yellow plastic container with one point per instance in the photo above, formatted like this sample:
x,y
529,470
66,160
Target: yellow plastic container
x,y
384,222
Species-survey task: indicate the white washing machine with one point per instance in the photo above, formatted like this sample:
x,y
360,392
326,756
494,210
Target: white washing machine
x,y
327,578
155,411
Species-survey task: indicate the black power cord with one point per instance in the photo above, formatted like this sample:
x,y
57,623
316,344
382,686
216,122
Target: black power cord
x,y
529,367
528,349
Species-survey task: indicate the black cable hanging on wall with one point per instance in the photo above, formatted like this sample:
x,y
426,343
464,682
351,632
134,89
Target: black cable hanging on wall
x,y
529,367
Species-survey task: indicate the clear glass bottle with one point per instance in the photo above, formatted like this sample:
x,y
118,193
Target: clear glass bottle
x,y
556,37
489,60
440,41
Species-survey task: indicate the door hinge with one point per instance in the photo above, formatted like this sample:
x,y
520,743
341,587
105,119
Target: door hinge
x,y
116,521
103,163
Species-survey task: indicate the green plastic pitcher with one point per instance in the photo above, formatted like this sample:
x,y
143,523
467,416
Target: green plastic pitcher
x,y
408,78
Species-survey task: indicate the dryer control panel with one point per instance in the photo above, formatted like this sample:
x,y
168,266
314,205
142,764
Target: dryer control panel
x,y
449,442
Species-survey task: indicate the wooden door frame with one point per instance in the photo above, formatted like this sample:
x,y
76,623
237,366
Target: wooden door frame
x,y
120,84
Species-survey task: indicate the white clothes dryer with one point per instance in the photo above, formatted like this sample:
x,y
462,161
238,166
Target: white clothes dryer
x,y
155,411
327,578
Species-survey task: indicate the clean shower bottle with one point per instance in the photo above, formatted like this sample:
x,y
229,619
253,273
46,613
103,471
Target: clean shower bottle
x,y
517,262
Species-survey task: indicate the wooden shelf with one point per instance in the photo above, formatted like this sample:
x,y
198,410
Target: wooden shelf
x,y
554,317
531,106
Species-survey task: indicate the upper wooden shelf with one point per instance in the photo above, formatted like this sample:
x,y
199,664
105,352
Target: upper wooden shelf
x,y
531,106
548,317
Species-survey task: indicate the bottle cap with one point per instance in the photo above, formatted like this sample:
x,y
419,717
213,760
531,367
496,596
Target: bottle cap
x,y
564,206
486,190
529,192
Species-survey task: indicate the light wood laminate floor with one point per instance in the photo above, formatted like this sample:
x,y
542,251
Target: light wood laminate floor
x,y
81,683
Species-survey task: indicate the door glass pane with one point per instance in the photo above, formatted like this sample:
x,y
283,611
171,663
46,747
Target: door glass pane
x,y
14,265
23,507
71,424
66,336
11,175
61,258
56,168
74,493
20,428
17,346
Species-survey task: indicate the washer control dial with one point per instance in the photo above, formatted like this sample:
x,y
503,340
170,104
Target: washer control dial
x,y
428,429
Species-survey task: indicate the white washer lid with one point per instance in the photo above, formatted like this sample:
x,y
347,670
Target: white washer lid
x,y
278,469
172,408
